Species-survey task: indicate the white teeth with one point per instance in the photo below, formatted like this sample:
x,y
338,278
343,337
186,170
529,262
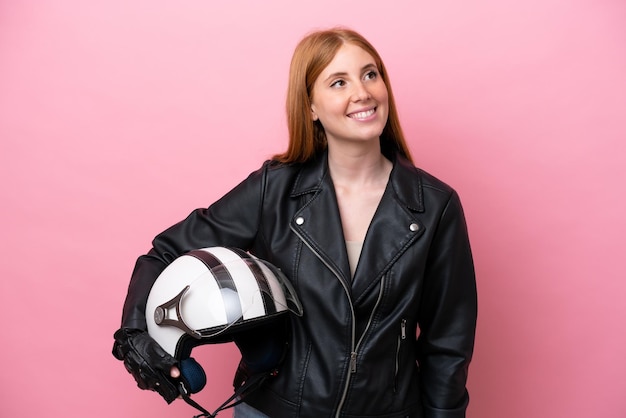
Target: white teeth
x,y
362,115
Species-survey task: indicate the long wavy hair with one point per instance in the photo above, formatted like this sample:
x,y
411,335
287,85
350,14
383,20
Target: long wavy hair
x,y
314,52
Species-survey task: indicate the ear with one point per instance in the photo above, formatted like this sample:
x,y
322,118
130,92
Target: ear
x,y
313,113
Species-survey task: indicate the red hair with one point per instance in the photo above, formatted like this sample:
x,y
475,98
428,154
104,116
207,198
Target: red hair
x,y
314,52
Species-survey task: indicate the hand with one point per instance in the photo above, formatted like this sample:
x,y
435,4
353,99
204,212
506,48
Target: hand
x,y
151,366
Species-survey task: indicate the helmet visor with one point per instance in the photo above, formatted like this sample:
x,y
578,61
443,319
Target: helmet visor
x,y
221,296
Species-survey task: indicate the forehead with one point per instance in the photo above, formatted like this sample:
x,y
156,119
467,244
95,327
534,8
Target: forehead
x,y
349,57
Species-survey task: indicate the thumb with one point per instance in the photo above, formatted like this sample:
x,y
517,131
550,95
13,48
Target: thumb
x,y
175,372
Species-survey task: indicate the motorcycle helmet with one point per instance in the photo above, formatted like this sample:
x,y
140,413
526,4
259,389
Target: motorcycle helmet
x,y
217,295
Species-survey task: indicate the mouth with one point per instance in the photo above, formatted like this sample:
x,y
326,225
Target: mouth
x,y
363,114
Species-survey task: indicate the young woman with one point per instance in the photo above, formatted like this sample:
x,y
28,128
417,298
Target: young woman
x,y
376,249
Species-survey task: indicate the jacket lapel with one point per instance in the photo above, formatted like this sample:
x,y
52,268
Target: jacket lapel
x,y
318,221
393,229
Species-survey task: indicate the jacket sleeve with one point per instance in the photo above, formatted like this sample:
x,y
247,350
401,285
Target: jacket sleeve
x,y
447,317
231,221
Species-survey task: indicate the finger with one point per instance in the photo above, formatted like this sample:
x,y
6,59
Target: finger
x,y
175,372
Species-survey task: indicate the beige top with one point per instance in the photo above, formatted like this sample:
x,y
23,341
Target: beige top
x,y
354,252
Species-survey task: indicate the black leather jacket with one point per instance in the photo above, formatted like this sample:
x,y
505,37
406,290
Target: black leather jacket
x,y
354,352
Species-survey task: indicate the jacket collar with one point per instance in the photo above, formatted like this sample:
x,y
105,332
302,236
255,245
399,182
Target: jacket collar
x,y
404,179
392,230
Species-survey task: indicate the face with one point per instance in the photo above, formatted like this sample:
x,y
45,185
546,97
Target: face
x,y
349,97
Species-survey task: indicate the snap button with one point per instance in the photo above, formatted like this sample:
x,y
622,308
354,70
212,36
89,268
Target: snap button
x,y
414,227
299,220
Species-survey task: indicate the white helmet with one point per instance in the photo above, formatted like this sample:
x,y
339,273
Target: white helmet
x,y
211,295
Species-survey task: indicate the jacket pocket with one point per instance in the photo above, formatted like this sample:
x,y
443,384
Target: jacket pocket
x,y
401,338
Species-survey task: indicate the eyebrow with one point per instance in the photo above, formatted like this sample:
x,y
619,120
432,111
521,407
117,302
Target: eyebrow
x,y
343,73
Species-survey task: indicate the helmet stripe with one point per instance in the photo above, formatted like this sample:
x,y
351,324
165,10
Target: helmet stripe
x,y
261,279
223,278
264,287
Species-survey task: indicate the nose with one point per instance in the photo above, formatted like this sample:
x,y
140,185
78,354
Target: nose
x,y
360,92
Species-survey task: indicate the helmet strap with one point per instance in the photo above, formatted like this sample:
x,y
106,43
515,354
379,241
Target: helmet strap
x,y
240,393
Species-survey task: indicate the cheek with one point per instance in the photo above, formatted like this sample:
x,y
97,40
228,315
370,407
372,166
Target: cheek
x,y
330,107
382,96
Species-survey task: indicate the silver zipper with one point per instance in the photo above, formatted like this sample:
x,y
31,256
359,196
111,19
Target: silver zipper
x,y
401,337
353,362
354,351
371,318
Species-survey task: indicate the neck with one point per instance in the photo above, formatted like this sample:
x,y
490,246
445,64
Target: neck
x,y
358,166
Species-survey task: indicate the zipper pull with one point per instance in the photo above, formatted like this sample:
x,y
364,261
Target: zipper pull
x,y
353,362
403,329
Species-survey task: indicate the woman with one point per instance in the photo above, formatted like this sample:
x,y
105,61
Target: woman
x,y
376,249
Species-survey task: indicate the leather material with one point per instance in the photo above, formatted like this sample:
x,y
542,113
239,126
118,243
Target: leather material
x,y
146,361
354,352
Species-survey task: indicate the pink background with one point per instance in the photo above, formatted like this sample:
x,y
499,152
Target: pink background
x,y
119,117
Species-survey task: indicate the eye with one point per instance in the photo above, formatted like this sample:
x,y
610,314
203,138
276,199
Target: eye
x,y
371,75
338,83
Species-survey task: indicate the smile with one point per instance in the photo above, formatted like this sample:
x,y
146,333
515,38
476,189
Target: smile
x,y
362,115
